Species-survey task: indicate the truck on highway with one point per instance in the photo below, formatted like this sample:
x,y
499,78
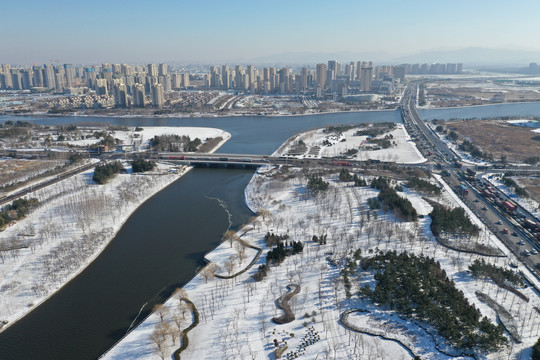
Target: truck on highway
x,y
529,224
341,163
509,205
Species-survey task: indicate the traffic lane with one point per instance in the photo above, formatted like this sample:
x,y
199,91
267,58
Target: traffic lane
x,y
512,241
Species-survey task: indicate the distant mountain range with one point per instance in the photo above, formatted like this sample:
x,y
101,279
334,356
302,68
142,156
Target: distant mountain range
x,y
470,57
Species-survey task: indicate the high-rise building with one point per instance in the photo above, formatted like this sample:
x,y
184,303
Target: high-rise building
x,y
59,77
91,77
185,80
358,70
70,74
332,66
120,95
215,78
321,75
157,96
251,76
48,72
16,79
225,77
367,78
38,76
27,78
101,87
152,70
162,70
303,79
399,73
6,71
138,95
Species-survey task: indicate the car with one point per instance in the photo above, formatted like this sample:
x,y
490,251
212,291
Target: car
x,y
499,222
484,208
514,234
521,242
526,253
534,252
505,231
514,264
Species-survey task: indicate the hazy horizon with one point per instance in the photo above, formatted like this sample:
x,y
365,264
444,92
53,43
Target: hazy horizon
x,y
238,31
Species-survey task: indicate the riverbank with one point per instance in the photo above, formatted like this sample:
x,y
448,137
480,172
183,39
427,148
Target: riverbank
x,y
74,223
235,314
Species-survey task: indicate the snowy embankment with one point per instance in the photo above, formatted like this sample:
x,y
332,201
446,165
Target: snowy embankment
x,y
74,222
235,314
329,144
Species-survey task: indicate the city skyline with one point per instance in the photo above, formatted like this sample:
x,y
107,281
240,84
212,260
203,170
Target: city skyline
x,y
239,31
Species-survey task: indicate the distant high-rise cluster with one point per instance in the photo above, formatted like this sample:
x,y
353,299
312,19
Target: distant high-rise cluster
x,y
128,84
325,79
433,69
150,85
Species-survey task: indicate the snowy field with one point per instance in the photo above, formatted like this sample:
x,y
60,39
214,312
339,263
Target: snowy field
x,y
320,144
235,314
74,222
141,139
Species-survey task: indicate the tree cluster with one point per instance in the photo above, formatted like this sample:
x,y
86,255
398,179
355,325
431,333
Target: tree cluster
x,y
271,239
141,165
401,207
376,129
174,143
282,250
102,173
479,268
469,147
261,273
16,210
448,220
419,288
423,186
508,181
316,184
320,239
345,175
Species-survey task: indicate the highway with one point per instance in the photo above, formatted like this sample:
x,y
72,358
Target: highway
x,y
516,240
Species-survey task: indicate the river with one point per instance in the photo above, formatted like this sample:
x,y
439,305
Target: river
x,y
162,244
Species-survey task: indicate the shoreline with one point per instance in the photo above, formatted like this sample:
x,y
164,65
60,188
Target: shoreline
x,y
233,115
116,229
191,116
473,106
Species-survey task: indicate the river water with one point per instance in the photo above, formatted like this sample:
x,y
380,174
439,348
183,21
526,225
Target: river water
x,y
162,244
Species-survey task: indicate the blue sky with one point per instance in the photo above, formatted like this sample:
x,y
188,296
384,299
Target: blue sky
x,y
220,31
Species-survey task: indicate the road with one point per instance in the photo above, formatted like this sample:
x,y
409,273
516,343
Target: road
x,y
55,179
487,213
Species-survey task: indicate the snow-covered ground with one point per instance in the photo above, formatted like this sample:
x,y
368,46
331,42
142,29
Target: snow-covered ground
x,y
403,149
74,222
235,314
142,138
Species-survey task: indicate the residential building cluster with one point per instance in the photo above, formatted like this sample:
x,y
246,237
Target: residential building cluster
x,y
152,84
325,79
128,85
433,69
